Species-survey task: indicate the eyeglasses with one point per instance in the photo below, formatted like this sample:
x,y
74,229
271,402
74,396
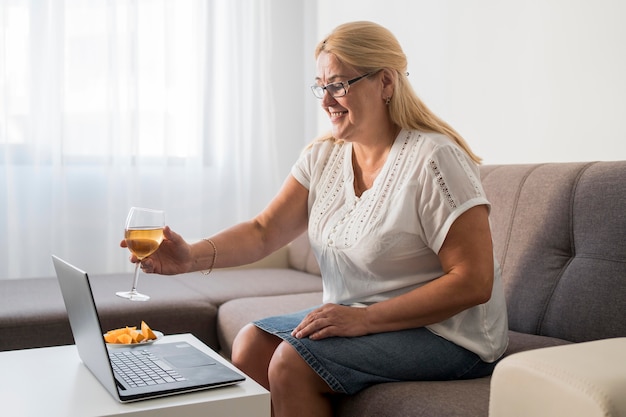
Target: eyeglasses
x,y
339,89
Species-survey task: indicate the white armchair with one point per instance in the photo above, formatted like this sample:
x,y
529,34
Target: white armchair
x,y
578,380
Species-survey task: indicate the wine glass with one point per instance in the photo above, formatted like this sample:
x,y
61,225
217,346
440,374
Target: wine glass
x,y
143,234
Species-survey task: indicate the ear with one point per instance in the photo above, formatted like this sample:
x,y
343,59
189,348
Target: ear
x,y
388,82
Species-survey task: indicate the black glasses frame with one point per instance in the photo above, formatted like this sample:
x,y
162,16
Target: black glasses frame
x,y
340,88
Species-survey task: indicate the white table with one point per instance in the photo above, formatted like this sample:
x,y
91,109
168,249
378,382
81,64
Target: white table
x,y
54,382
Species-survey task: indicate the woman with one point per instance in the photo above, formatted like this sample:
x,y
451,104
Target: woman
x,y
398,220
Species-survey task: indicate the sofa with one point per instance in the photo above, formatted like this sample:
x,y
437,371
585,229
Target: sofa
x,y
559,232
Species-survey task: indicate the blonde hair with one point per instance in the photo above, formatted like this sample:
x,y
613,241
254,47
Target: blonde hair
x,y
370,47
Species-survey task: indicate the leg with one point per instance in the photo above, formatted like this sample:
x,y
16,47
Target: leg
x,y
252,352
296,388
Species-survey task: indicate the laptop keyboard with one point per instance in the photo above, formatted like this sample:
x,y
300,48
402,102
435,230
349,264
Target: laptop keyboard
x,y
140,368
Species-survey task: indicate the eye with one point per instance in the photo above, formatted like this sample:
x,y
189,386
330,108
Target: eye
x,y
334,88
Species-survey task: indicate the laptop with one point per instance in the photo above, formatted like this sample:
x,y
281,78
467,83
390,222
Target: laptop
x,y
164,368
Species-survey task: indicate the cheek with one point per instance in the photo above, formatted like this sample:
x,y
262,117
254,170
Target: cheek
x,y
357,114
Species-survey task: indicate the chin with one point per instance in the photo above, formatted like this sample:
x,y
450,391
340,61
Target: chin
x,y
339,134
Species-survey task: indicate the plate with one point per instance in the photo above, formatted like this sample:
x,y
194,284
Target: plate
x,y
157,333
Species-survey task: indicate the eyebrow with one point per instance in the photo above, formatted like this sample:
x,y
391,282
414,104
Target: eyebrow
x,y
332,79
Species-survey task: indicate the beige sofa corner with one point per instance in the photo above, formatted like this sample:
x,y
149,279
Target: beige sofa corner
x,y
579,380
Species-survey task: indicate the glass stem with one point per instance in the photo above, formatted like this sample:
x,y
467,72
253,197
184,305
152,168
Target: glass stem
x,y
136,278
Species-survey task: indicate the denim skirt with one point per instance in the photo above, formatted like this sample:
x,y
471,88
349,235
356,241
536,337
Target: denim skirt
x,y
350,364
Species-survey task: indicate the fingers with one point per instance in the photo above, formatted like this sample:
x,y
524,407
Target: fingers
x,y
171,235
318,324
172,257
147,266
303,329
309,326
332,320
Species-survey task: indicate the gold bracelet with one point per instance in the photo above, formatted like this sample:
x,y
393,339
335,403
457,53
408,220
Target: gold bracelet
x,y
214,256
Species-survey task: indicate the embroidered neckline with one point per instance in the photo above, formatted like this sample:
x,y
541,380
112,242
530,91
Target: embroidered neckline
x,y
357,214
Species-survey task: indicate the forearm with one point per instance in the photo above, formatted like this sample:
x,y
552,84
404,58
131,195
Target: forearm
x,y
426,305
429,304
241,244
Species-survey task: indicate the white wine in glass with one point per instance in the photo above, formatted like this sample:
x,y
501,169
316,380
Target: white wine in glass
x,y
143,234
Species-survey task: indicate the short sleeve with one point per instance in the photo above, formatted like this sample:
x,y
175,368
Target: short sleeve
x,y
301,170
451,186
309,168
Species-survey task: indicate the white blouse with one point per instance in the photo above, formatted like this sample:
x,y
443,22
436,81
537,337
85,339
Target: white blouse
x,y
385,243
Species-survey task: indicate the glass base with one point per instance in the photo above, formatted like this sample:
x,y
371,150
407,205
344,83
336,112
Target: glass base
x,y
133,295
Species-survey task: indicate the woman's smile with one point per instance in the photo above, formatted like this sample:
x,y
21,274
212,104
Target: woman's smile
x,y
337,114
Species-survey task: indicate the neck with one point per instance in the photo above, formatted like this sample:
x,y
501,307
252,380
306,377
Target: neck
x,y
368,161
367,155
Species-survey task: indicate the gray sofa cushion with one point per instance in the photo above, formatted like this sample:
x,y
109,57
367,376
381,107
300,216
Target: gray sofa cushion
x,y
559,234
520,342
419,399
32,314
32,311
591,291
531,218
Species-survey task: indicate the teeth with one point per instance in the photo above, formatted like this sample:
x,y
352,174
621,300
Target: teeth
x,y
337,113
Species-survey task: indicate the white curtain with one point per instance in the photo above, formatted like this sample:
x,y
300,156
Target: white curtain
x,y
106,104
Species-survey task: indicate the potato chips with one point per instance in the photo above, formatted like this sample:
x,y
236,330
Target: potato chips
x,y
130,335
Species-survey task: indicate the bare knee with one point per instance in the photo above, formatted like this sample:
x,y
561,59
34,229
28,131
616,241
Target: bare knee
x,y
243,343
287,368
296,388
252,351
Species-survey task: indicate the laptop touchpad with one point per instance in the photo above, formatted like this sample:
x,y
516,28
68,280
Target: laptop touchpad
x,y
189,361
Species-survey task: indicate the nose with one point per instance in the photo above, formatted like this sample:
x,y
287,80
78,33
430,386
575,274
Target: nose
x,y
328,99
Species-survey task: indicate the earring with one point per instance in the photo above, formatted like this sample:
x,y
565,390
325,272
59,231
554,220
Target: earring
x,y
388,100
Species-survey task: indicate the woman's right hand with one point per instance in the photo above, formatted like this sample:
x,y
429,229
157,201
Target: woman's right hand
x,y
172,257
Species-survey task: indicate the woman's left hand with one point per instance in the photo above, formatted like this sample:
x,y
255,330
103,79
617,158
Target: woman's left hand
x,y
333,320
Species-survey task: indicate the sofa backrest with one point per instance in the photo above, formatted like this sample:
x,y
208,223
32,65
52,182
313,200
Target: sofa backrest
x,y
559,231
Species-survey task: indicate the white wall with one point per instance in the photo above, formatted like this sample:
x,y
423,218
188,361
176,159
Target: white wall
x,y
522,81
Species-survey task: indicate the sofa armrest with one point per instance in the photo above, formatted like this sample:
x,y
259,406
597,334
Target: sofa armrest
x,y
583,379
